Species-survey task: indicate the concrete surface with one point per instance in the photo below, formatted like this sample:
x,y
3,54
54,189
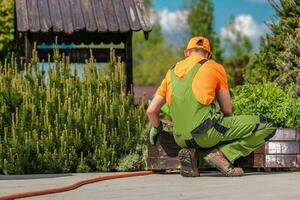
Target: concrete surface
x,y
210,186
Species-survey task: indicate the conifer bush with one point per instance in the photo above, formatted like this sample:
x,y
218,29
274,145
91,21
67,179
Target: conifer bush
x,y
66,122
278,57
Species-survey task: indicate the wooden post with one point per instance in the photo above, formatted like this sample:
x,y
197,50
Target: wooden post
x,y
15,29
28,48
128,60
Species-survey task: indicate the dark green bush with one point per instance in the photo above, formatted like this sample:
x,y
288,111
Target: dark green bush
x,y
66,123
270,100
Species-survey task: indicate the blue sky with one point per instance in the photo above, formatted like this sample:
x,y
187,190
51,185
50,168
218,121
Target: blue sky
x,y
250,17
260,10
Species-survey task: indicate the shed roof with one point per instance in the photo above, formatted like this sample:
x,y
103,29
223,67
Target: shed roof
x,y
68,16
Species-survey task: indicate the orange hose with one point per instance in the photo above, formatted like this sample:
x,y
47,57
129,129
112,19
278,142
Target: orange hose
x,y
72,186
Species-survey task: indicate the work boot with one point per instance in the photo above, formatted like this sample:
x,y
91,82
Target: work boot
x,y
216,159
188,160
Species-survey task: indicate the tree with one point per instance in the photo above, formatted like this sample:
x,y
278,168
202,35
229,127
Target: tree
x,y
152,58
238,47
200,22
289,63
6,27
201,19
279,50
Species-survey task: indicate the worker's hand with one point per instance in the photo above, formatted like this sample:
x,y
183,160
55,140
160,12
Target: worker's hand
x,y
165,109
154,132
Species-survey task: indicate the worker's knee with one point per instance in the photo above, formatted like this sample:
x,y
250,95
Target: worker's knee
x,y
270,132
269,129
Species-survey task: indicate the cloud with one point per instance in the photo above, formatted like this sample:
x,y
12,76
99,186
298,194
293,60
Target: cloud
x,y
174,24
172,21
245,25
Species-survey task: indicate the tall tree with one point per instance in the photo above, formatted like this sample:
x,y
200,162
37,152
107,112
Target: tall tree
x,y
201,19
200,22
288,62
238,49
151,58
279,53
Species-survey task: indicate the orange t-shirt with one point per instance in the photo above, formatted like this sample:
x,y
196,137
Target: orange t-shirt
x,y
210,78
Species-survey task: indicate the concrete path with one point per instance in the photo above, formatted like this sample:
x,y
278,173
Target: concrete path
x,y
210,186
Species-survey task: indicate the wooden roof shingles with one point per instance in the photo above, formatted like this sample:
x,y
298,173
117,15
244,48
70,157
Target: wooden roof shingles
x,y
69,16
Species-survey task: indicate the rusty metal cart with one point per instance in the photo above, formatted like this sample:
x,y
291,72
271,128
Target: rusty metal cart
x,y
281,152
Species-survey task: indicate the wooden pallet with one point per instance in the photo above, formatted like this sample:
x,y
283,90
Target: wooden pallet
x,y
281,152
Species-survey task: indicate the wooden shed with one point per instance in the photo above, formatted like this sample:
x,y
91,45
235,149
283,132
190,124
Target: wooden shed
x,y
81,22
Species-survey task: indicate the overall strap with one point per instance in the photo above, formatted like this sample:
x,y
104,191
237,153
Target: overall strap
x,y
201,62
191,74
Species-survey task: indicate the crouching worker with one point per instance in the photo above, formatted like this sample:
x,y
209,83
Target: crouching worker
x,y
191,90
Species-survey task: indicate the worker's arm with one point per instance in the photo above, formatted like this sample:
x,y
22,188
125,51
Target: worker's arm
x,y
222,90
223,97
157,102
154,109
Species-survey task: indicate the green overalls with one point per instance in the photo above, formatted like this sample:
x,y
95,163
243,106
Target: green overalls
x,y
200,126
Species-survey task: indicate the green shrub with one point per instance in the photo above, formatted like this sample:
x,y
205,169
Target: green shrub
x,y
66,122
137,160
270,100
6,28
131,162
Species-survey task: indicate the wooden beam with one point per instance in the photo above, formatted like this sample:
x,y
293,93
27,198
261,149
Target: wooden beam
x,y
21,15
78,21
79,37
146,35
66,16
44,14
88,16
99,16
129,64
132,15
28,47
121,16
110,16
33,16
55,15
15,27
81,54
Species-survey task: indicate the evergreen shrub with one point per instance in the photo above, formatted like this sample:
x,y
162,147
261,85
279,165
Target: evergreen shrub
x,y
65,122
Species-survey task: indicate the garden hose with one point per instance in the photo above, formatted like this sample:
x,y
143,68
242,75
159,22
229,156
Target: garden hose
x,y
72,186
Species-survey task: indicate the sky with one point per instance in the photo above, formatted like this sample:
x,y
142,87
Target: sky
x,y
250,17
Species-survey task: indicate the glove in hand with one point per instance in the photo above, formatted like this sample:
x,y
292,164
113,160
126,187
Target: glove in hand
x,y
154,132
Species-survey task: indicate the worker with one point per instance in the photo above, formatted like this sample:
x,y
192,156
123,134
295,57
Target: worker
x,y
196,92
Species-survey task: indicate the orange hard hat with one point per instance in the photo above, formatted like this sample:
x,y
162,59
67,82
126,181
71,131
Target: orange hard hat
x,y
199,42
